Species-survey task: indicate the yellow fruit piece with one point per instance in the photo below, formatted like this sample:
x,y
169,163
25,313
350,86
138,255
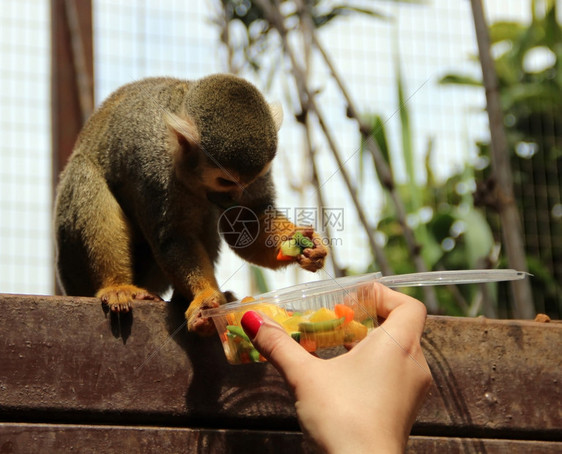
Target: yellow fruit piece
x,y
355,331
321,315
270,310
247,299
291,324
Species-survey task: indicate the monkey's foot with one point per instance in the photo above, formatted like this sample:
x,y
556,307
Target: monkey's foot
x,y
312,259
120,297
229,296
205,299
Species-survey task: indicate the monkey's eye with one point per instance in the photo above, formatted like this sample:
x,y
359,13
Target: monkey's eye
x,y
225,183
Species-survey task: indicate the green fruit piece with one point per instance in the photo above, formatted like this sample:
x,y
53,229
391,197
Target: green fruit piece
x,y
303,241
368,322
316,327
237,331
254,355
290,248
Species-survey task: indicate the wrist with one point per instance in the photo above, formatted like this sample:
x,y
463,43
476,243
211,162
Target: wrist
x,y
373,442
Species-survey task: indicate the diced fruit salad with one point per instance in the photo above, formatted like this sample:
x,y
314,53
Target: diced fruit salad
x,y
314,330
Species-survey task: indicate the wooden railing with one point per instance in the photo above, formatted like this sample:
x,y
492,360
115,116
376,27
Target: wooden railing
x,y
73,378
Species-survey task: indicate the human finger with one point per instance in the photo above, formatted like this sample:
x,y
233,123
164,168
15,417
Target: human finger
x,y
399,309
273,342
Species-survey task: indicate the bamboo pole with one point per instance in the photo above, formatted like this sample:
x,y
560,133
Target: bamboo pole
x,y
512,236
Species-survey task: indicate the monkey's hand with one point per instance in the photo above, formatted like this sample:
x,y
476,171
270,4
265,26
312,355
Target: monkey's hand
x,y
312,258
120,297
205,299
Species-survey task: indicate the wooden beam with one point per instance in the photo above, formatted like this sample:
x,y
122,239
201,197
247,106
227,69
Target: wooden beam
x,y
72,75
26,437
66,361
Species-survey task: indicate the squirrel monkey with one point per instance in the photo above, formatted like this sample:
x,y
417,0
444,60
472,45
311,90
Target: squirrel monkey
x,y
153,172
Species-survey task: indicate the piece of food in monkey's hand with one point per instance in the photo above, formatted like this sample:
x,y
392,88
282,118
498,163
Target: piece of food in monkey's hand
x,y
288,250
296,245
302,240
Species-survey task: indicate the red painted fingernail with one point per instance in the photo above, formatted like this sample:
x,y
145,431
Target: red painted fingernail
x,y
251,323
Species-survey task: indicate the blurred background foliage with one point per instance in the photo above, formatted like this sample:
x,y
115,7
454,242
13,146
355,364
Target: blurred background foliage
x,y
528,60
454,223
453,234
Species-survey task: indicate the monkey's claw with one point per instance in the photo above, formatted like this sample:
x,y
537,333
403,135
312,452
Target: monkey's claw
x,y
119,298
312,259
206,299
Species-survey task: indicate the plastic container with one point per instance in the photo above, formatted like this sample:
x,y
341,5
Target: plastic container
x,y
327,317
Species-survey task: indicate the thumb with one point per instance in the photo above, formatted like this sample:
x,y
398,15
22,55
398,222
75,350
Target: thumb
x,y
273,342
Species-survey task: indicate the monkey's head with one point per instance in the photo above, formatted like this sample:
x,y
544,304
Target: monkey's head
x,y
227,131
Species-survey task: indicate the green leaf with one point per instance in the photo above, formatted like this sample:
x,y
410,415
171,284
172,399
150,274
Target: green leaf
x,y
477,235
407,147
431,249
440,226
540,97
378,132
259,280
361,160
505,31
459,79
427,162
552,30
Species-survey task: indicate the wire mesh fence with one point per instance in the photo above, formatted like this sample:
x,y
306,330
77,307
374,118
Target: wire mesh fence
x,y
182,39
25,169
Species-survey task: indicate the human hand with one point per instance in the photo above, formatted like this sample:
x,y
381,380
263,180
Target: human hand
x,y
365,400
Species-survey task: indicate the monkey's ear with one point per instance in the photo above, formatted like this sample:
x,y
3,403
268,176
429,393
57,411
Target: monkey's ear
x,y
277,113
184,129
